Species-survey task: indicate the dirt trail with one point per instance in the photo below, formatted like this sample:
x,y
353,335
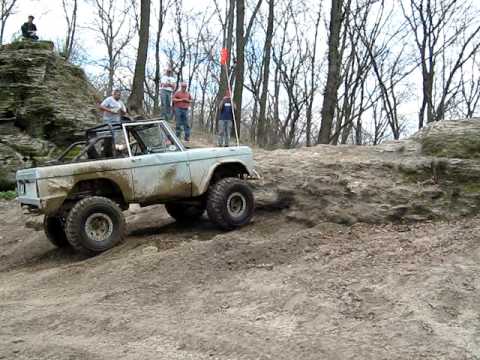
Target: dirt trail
x,y
277,289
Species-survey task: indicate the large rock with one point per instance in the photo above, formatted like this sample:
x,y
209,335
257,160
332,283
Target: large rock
x,y
45,103
433,175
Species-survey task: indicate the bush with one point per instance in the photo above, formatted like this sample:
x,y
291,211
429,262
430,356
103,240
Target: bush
x,y
8,195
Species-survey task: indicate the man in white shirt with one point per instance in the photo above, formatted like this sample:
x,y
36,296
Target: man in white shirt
x,y
167,85
113,108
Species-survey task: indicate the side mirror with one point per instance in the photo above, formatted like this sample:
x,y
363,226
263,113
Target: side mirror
x,y
172,148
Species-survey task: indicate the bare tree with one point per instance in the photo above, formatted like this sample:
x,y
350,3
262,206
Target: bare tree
x,y
182,46
70,9
380,124
135,101
313,86
241,39
7,8
352,102
254,60
293,66
112,25
262,121
162,14
469,90
389,68
432,21
227,24
334,63
280,52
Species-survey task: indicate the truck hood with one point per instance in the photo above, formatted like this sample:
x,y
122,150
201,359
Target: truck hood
x,y
218,152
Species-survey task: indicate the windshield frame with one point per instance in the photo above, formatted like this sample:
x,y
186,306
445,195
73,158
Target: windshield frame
x,y
163,126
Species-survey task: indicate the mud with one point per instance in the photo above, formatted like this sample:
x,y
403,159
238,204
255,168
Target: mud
x,y
277,289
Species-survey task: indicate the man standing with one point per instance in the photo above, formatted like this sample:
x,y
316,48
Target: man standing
x,y
225,122
113,108
167,85
29,30
181,103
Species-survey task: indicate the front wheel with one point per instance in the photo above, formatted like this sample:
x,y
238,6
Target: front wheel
x,y
230,203
94,225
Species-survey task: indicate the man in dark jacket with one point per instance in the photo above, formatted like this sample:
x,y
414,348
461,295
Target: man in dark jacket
x,y
225,122
29,30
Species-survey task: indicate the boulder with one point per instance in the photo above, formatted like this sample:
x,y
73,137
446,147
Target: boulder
x,y
451,139
45,104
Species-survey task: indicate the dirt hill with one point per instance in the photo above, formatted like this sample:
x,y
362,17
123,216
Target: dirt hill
x,y
354,253
434,175
44,103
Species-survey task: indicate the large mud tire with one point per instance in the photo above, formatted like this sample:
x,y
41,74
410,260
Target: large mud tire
x,y
94,225
230,203
53,228
184,212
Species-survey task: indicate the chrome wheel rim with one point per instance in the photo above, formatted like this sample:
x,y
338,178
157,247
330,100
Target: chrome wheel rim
x,y
236,205
99,227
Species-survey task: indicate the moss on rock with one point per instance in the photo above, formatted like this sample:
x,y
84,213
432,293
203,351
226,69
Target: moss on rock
x,y
29,45
451,139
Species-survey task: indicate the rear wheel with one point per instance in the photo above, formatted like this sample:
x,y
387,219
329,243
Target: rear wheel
x,y
94,225
230,203
54,230
184,212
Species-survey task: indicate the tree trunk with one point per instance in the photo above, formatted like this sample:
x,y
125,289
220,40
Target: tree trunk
x,y
111,74
239,68
156,80
71,28
227,43
334,63
2,31
262,120
135,101
6,9
313,85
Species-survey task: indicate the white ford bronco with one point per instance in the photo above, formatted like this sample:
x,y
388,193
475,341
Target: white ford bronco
x,y
83,193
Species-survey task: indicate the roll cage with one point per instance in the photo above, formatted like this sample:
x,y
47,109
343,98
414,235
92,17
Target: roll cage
x,y
118,140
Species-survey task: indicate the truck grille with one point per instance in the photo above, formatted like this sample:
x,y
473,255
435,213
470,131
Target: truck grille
x,y
27,188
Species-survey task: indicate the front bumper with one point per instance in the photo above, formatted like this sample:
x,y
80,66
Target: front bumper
x,y
29,201
29,205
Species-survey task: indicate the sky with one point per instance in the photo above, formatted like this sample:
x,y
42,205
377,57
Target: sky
x,y
51,25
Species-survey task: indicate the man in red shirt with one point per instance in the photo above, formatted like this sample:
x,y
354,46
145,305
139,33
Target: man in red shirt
x,y
181,103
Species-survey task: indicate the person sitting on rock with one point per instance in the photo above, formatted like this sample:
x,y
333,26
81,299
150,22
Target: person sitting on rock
x,y
29,30
113,108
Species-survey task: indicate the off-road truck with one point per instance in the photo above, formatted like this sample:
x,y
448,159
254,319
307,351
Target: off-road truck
x,y
84,191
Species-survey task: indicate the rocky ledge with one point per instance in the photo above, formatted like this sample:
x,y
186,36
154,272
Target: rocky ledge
x,y
45,102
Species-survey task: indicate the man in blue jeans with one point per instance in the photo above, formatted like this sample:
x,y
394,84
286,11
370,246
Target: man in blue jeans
x,y
181,103
225,122
167,85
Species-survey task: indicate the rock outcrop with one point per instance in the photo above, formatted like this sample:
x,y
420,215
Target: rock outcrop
x,y
433,175
45,103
